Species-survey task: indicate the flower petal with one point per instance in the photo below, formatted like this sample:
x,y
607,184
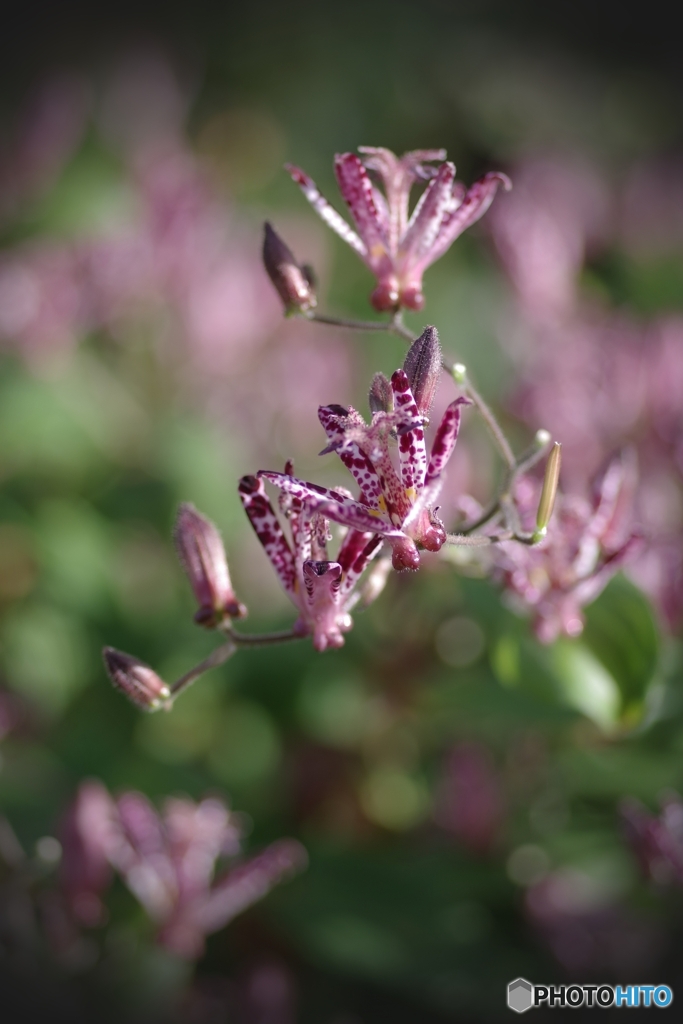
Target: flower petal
x,y
358,564
444,440
411,443
333,504
249,882
398,176
321,206
476,202
334,419
322,598
436,202
357,190
268,530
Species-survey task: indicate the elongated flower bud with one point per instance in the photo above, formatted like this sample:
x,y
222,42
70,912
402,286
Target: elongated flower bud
x,y
201,551
423,368
136,680
549,491
381,396
293,282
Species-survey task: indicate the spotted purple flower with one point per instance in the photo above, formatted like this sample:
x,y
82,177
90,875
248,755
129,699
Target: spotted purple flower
x,y
394,503
397,247
323,591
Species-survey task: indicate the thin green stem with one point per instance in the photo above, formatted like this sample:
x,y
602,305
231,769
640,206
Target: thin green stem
x,y
459,375
217,657
226,651
393,326
353,325
399,328
262,639
484,540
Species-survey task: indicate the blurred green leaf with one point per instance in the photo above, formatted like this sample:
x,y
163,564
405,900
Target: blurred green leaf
x,y
621,631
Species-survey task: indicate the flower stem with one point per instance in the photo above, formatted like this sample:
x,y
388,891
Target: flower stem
x,y
393,326
353,325
226,651
262,639
459,375
217,657
484,540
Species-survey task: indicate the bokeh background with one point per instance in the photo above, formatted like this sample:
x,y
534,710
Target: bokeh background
x,y
457,784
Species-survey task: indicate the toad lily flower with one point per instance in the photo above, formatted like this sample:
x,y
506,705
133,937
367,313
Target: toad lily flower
x,y
397,247
323,591
394,504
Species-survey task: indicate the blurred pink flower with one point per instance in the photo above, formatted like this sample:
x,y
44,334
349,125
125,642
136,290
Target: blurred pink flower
x,y
469,801
579,920
167,861
587,542
557,208
49,130
656,840
86,834
651,208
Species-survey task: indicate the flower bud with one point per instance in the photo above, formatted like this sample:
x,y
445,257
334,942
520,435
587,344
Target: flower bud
x,y
459,373
549,491
381,396
423,368
293,283
136,680
202,554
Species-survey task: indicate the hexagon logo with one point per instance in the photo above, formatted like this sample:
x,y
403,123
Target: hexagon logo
x,y
520,995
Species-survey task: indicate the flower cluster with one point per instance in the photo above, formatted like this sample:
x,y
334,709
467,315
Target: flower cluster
x,y
396,502
167,861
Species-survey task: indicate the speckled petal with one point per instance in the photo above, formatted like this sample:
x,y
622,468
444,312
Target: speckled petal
x,y
444,440
267,528
360,562
333,504
357,190
321,206
476,202
335,419
411,443
436,202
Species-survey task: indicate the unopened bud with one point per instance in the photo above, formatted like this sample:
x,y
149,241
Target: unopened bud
x,y
549,491
136,680
293,282
459,373
423,368
542,438
381,396
202,554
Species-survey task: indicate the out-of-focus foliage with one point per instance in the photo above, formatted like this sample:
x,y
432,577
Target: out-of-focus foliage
x,y
456,784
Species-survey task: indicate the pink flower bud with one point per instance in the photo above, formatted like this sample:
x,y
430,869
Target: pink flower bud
x,y
423,368
293,282
136,680
381,396
201,551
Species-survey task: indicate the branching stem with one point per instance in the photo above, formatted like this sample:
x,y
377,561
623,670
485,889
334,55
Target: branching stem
x,y
393,326
226,651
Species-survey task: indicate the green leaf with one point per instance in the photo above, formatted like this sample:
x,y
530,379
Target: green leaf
x,y
621,632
